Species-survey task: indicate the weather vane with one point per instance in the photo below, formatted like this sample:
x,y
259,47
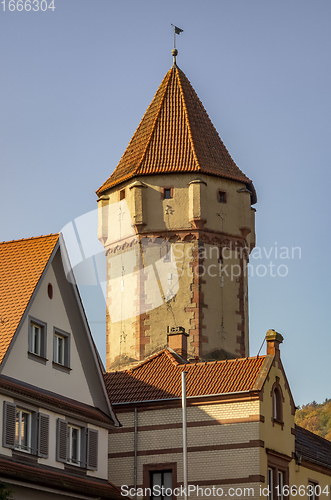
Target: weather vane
x,y
177,31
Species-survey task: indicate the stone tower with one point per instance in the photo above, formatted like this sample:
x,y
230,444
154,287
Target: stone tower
x,y
176,221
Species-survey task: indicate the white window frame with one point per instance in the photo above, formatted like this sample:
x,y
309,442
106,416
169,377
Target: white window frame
x,y
40,349
270,483
71,460
64,338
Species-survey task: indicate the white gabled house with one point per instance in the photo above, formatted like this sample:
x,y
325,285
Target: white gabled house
x,y
56,412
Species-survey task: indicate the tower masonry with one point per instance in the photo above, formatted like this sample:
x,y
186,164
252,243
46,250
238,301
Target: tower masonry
x,y
177,224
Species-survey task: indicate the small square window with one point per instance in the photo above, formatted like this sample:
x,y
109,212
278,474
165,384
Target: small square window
x,y
37,338
61,353
167,193
122,194
221,197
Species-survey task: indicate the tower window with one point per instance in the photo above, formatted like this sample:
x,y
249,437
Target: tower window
x,y
221,196
122,194
167,193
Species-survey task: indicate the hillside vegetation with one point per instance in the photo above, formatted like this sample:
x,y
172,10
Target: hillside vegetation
x,y
316,418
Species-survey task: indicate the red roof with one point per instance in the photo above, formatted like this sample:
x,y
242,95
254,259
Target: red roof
x,y
176,135
22,263
159,377
45,476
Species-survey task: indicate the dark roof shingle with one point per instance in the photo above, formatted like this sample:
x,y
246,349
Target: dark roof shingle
x,y
44,476
312,447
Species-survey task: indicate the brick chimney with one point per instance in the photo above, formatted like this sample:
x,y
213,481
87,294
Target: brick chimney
x,y
273,340
177,340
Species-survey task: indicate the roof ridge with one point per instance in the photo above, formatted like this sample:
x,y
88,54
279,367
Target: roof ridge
x,y
144,361
30,238
157,114
187,118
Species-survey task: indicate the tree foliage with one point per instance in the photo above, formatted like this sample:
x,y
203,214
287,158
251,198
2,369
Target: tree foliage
x,y
316,418
5,493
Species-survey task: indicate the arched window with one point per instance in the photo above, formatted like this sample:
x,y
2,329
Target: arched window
x,y
277,402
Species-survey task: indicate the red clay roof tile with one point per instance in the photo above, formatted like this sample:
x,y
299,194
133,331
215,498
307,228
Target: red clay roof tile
x,y
22,263
159,377
176,135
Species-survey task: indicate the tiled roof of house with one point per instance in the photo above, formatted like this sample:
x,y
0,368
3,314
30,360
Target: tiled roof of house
x,y
56,401
43,476
159,377
312,447
22,263
176,135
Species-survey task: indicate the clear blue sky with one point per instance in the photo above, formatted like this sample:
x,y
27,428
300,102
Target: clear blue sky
x,y
75,82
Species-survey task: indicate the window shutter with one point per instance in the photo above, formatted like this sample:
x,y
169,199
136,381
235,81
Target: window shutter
x,y
9,420
92,449
83,447
43,432
61,440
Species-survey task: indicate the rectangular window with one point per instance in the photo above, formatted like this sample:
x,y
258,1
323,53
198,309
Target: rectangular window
x,y
281,483
122,194
61,355
161,485
270,483
312,490
23,430
221,197
167,193
59,349
74,441
76,445
37,338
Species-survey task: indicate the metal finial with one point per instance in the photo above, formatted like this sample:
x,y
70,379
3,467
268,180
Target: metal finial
x,y
174,53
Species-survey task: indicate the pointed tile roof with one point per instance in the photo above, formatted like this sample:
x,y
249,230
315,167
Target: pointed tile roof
x,y
176,135
22,263
159,377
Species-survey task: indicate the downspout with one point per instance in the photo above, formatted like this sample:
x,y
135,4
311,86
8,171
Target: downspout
x,y
184,433
135,468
